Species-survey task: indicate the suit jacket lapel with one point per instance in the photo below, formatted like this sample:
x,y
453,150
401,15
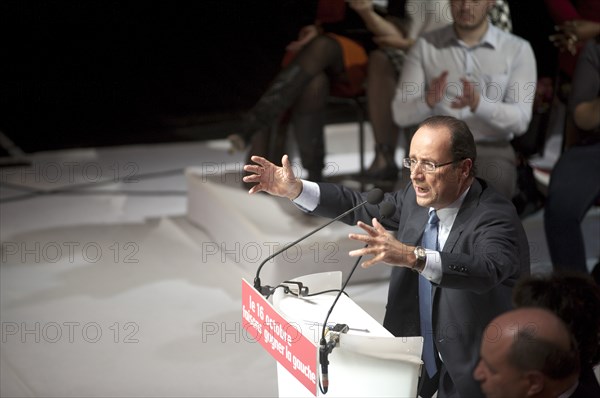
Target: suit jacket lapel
x,y
464,213
415,226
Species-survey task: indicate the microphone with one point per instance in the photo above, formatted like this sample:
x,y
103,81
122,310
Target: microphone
x,y
324,350
374,197
386,210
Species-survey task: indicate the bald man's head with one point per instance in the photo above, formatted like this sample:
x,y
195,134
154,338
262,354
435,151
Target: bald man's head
x,y
542,343
526,352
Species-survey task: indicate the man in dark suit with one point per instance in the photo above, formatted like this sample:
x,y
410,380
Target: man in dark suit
x,y
528,353
575,298
479,247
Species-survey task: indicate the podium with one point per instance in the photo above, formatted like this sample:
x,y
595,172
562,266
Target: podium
x,y
368,360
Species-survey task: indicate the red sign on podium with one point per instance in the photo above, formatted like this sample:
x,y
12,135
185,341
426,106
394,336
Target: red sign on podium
x,y
283,340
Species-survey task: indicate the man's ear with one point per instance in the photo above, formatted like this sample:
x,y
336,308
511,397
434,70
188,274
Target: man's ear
x,y
536,381
466,166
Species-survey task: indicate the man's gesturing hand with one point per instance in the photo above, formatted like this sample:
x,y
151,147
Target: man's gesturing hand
x,y
382,245
275,180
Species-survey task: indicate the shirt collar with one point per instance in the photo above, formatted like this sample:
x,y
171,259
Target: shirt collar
x,y
570,391
448,213
490,38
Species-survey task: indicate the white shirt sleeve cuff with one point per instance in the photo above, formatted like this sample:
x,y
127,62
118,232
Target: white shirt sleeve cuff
x,y
433,266
308,200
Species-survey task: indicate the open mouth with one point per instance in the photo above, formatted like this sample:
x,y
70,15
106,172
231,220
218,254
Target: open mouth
x,y
421,190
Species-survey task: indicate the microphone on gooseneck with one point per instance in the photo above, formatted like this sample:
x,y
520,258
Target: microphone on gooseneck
x,y
374,197
386,210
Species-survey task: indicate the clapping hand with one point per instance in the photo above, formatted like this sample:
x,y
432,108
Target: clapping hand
x,y
571,34
437,89
469,97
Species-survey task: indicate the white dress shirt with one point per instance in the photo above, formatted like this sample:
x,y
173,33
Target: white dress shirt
x,y
502,66
447,215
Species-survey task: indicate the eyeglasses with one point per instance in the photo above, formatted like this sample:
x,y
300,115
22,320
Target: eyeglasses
x,y
428,166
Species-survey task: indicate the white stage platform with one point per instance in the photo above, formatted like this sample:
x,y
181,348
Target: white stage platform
x,y
109,294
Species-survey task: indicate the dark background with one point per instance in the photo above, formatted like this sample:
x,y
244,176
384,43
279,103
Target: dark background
x,y
95,73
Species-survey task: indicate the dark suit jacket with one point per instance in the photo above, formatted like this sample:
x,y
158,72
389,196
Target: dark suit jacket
x,y
588,385
486,252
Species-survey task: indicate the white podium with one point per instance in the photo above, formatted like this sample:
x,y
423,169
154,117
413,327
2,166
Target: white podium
x,y
369,361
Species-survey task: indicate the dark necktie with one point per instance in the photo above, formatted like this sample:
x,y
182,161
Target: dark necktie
x,y
430,241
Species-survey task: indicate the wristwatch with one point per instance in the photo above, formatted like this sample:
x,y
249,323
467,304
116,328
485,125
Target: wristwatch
x,y
421,258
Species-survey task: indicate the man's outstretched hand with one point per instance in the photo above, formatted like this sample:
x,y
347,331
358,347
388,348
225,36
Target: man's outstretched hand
x,y
382,245
273,179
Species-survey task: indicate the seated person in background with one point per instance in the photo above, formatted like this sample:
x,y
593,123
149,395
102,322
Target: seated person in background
x,y
575,22
475,72
423,16
527,352
331,53
574,298
456,246
382,83
575,181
